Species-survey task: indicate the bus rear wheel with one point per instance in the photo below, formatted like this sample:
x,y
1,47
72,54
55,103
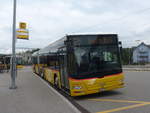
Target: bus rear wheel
x,y
42,75
56,82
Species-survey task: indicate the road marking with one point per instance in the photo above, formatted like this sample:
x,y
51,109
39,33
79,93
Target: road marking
x,y
123,108
138,104
122,101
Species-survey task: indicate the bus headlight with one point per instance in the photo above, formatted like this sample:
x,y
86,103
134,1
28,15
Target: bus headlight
x,y
77,87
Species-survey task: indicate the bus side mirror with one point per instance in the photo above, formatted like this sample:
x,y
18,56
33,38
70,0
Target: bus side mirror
x,y
120,48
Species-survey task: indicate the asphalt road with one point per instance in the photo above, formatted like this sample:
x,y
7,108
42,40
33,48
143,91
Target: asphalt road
x,y
134,98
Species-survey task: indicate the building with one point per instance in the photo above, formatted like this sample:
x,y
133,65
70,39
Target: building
x,y
141,53
26,57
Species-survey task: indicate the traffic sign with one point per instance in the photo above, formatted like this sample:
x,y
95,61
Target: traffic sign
x,y
22,34
22,25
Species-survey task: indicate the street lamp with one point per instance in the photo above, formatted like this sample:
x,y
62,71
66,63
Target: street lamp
x,y
13,58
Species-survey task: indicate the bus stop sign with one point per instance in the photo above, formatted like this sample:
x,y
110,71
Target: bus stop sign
x,y
22,32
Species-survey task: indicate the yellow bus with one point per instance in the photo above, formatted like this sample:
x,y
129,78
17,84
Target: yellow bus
x,y
81,64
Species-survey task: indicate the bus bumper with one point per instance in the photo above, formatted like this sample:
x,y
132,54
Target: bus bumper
x,y
96,85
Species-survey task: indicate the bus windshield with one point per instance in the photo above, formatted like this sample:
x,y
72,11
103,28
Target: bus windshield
x,y
96,61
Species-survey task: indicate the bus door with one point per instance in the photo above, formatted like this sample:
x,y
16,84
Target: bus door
x,y
63,69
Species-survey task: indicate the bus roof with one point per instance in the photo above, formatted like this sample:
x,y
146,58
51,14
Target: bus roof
x,y
53,47
90,34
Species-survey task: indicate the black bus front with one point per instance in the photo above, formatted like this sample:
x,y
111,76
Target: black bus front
x,y
93,63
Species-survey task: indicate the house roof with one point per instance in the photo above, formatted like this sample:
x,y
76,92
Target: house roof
x,y
1,54
140,45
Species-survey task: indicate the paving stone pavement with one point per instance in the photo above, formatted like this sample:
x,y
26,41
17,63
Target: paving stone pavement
x,y
31,96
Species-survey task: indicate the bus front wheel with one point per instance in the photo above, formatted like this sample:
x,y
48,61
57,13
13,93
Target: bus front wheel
x,y
56,82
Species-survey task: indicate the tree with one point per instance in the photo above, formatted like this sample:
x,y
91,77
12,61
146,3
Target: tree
x,y
32,51
127,56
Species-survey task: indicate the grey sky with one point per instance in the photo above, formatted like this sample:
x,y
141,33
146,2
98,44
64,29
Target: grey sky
x,y
49,20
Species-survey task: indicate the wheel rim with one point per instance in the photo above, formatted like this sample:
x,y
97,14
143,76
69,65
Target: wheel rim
x,y
42,75
56,82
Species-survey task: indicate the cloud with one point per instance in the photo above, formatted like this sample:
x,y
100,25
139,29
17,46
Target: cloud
x,y
50,20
